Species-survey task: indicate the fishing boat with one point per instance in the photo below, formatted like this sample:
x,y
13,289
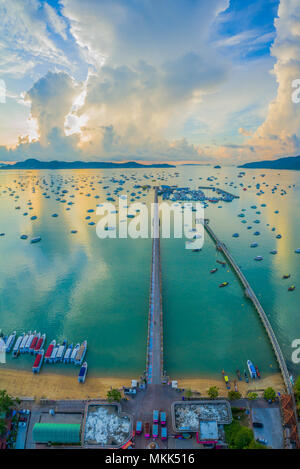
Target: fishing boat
x,y
10,342
251,369
68,353
61,351
34,342
16,349
74,353
81,353
246,376
291,288
238,375
224,284
286,276
257,372
226,379
82,373
23,343
54,353
28,342
258,258
221,262
38,361
49,351
213,270
40,343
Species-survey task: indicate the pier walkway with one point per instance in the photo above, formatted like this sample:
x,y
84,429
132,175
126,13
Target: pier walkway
x,y
154,366
251,295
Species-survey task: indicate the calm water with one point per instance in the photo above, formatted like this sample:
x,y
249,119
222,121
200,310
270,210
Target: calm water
x,y
76,286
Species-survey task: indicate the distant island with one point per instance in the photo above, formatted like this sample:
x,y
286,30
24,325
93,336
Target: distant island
x,y
32,163
290,162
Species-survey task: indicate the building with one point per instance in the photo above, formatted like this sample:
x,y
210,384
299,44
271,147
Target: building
x,y
61,433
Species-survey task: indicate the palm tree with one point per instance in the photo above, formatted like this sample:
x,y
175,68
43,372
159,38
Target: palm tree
x,y
5,401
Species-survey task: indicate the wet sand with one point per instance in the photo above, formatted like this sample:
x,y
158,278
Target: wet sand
x,y
203,384
19,383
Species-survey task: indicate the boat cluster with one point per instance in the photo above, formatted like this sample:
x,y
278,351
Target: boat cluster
x,y
186,194
253,372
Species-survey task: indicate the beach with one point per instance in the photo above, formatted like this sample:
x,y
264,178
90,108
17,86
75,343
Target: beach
x,y
24,384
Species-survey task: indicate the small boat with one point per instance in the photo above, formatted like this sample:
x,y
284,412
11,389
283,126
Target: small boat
x,y
36,240
49,351
238,375
221,262
213,270
54,353
251,369
82,373
224,284
291,288
28,342
246,376
81,353
286,276
40,343
38,361
16,349
61,352
257,372
10,342
23,343
258,258
67,356
34,342
74,353
226,379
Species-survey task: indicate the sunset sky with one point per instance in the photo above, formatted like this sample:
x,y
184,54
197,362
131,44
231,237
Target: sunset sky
x,y
149,80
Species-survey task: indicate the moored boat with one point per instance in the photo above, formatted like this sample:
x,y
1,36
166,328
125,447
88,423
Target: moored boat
x,y
74,353
40,343
81,353
82,373
224,284
291,288
54,353
257,372
49,351
38,362
23,343
16,349
34,342
28,342
61,351
10,342
213,270
68,353
251,369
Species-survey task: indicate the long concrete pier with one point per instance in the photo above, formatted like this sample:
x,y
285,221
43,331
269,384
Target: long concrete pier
x,y
154,366
251,295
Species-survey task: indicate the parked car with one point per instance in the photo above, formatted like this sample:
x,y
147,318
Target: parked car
x,y
257,425
262,441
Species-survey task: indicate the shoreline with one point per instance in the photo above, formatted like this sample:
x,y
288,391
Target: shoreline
x,y
25,384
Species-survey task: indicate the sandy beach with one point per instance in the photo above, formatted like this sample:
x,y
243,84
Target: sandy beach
x,y
19,383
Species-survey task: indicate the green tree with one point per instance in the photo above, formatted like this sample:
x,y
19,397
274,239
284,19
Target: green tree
x,y
188,393
114,395
6,401
297,388
213,392
234,395
243,438
2,426
255,445
270,394
252,396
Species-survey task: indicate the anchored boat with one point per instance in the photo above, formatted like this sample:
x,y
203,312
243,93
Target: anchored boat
x,y
82,373
34,342
61,352
68,353
16,349
10,342
38,362
40,343
81,353
74,353
251,369
49,351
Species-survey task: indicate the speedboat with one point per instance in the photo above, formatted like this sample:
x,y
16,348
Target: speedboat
x,y
251,369
82,373
286,276
291,288
258,258
213,271
224,284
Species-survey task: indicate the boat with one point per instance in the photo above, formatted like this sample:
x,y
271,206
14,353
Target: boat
x,y
49,351
82,373
81,353
36,240
213,270
226,379
257,372
246,376
28,342
221,262
258,258
286,276
291,288
74,353
16,349
68,353
40,343
10,342
54,353
23,343
34,342
61,351
251,369
224,284
238,375
38,361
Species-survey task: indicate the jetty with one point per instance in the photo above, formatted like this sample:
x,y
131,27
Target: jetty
x,y
154,365
249,293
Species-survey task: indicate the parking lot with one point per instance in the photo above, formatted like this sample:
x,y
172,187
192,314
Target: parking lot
x,y
272,427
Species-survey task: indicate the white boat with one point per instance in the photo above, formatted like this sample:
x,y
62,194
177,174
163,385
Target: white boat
x,y
38,361
40,344
23,343
81,353
251,369
54,353
17,345
10,342
68,353
28,342
82,373
61,351
34,342
74,353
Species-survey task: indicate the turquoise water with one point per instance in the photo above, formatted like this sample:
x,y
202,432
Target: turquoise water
x,y
76,286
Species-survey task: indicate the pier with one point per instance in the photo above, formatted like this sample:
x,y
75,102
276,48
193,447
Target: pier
x,y
154,366
251,295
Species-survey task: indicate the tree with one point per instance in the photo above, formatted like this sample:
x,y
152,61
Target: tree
x,y
188,393
213,392
114,395
5,401
243,438
297,388
270,394
2,426
255,445
252,396
234,395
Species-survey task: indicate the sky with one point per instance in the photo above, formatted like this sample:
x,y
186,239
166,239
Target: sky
x,y
149,80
